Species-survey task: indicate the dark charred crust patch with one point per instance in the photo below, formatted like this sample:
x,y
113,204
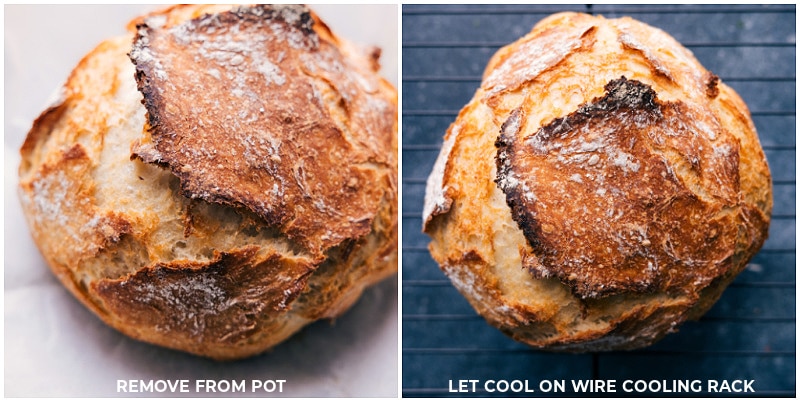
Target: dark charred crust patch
x,y
239,108
622,94
604,210
506,179
294,15
219,301
712,88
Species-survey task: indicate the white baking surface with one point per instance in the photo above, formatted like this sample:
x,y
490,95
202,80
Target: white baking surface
x,y
54,347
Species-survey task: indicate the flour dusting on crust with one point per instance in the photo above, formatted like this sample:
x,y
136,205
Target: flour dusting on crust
x,y
579,169
436,200
253,108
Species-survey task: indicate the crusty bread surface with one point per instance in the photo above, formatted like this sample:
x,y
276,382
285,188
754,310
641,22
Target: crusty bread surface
x,y
600,189
218,178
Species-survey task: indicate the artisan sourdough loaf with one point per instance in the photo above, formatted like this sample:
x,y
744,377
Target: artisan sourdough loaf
x,y
600,188
217,178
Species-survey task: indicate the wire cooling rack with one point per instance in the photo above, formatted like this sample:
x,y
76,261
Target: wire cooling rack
x,y
749,334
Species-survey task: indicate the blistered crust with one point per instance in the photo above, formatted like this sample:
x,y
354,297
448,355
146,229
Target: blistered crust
x,y
252,108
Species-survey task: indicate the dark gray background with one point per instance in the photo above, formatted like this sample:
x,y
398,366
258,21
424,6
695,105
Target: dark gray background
x,y
749,334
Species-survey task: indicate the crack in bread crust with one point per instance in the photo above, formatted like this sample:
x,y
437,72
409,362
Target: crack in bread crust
x,y
219,301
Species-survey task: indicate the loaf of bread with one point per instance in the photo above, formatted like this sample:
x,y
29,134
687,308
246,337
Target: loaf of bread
x,y
600,188
217,178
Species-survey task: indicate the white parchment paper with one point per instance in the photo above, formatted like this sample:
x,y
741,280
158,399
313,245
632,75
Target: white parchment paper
x,y
54,347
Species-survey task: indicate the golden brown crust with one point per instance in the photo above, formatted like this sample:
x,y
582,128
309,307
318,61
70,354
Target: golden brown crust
x,y
283,155
222,301
599,198
605,185
511,69
214,278
59,196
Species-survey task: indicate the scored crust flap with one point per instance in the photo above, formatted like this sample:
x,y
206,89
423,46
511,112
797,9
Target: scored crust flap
x,y
627,193
251,108
219,301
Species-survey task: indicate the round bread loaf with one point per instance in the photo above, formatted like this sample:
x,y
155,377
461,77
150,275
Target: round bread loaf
x,y
217,178
600,188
